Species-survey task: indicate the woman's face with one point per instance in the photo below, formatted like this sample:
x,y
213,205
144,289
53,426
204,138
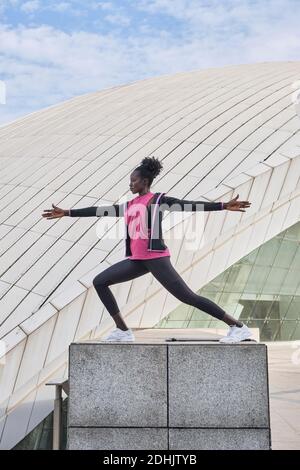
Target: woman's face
x,y
137,184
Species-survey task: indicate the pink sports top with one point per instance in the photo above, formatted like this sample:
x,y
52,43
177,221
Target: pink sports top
x,y
135,217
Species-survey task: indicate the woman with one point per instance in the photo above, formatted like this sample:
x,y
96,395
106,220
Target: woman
x,y
147,252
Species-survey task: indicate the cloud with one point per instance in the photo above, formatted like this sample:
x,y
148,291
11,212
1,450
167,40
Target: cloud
x,y
118,19
31,6
44,65
103,5
60,7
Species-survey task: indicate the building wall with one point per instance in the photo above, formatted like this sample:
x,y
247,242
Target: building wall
x,y
219,132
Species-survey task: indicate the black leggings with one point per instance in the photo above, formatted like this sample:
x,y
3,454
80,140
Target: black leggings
x,y
163,271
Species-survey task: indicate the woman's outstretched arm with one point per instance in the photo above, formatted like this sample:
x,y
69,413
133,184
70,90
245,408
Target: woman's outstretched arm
x,y
114,210
176,204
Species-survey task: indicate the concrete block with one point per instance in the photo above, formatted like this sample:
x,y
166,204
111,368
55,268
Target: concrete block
x,y
118,385
219,439
157,394
213,384
117,438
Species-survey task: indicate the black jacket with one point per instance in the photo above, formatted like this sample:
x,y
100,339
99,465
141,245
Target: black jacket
x,y
159,203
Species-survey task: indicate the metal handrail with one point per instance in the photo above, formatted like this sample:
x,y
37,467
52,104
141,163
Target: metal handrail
x,y
60,385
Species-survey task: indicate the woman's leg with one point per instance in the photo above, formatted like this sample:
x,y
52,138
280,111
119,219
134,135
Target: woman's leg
x,y
163,270
122,271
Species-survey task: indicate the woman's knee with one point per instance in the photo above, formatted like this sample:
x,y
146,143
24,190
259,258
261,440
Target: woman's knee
x,y
100,281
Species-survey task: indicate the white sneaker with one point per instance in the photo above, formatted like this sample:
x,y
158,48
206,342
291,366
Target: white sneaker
x,y
236,334
119,335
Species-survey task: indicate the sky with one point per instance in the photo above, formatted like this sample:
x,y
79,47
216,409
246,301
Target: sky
x,y
52,51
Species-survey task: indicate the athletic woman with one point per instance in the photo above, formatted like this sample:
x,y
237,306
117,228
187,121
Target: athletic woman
x,y
144,253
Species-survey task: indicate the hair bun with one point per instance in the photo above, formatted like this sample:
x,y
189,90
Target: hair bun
x,y
153,165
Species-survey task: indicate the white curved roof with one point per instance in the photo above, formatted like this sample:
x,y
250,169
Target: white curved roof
x,y
219,132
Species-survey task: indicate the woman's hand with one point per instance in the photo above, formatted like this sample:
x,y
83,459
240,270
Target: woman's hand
x,y
54,213
235,205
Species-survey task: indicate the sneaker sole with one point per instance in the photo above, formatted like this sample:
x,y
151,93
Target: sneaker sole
x,y
247,338
117,340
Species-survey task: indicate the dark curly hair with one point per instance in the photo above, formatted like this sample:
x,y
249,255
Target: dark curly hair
x,y
149,168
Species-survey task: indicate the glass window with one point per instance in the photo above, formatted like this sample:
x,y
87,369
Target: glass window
x,y
261,309
290,282
274,280
286,330
269,330
296,334
293,312
285,254
256,279
200,324
267,252
262,289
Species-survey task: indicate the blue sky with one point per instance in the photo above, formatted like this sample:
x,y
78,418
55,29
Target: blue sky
x,y
52,51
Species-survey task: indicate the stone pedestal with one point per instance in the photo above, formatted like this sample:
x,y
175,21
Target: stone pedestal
x,y
176,396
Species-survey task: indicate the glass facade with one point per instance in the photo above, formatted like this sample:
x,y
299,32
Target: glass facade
x,y
41,436
262,290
